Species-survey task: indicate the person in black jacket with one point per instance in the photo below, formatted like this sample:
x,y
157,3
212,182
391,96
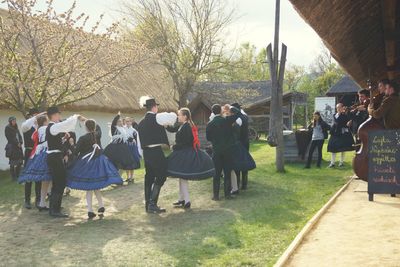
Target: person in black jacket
x,y
152,136
341,139
187,161
57,133
245,141
319,131
14,147
219,132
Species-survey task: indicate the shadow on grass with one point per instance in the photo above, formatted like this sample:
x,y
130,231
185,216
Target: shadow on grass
x,y
192,237
196,235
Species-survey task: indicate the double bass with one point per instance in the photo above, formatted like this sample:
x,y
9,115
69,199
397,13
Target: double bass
x,y
360,161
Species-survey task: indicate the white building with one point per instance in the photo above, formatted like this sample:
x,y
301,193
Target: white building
x,y
104,106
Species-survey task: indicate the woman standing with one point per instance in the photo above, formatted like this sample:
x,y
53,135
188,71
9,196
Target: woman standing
x,y
14,147
134,146
118,150
341,139
92,171
37,169
187,161
319,129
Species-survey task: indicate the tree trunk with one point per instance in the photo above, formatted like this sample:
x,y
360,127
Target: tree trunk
x,y
275,137
182,100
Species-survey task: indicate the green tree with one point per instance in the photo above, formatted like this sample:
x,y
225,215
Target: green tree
x,y
187,37
245,64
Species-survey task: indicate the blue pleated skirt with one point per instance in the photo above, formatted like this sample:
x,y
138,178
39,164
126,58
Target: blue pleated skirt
x,y
96,174
121,154
190,164
36,169
242,159
135,154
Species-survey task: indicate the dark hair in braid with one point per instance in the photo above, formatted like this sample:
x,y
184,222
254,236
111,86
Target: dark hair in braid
x,y
91,127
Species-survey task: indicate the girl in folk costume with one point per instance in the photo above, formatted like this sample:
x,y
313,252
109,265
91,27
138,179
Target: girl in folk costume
x,y
134,146
36,169
118,150
28,127
14,147
92,170
341,139
242,159
187,161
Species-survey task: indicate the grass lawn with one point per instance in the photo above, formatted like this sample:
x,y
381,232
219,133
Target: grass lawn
x,y
251,230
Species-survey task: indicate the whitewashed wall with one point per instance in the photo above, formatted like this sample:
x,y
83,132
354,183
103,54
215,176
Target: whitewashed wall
x,y
103,119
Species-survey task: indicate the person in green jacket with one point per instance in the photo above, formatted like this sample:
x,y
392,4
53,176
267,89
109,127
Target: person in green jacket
x,y
220,133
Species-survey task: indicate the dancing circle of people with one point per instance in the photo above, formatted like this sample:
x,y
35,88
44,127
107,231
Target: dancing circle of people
x,y
56,163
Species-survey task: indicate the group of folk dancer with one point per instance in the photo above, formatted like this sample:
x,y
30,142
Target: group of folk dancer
x,y
54,162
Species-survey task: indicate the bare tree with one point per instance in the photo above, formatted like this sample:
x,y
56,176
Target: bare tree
x,y
47,58
187,36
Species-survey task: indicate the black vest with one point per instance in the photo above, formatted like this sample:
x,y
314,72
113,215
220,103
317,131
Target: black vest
x,y
150,132
28,138
54,142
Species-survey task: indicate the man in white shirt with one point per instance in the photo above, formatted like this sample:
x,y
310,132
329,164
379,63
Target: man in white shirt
x,y
56,135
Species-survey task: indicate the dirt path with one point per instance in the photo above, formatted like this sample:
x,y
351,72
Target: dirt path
x,y
354,232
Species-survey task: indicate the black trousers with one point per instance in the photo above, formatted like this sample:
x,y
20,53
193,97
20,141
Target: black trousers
x,y
155,164
28,185
58,173
315,144
223,163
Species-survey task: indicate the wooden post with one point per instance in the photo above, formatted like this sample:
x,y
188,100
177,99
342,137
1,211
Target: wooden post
x,y
277,71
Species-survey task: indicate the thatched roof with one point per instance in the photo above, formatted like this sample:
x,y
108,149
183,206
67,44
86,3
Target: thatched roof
x,y
149,78
132,85
243,92
252,95
362,35
345,86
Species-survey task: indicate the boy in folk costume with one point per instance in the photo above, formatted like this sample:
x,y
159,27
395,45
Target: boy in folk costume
x,y
152,136
219,132
56,134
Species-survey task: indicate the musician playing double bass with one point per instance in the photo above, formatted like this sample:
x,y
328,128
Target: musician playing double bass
x,y
389,109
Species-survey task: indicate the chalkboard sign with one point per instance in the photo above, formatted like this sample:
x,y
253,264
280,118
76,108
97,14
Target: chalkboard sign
x,y
384,162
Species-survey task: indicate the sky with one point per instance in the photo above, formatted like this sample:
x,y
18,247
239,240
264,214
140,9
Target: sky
x,y
254,24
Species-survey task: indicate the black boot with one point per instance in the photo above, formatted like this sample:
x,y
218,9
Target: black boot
x,y
153,208
28,187
244,180
147,194
216,185
38,186
17,171
12,173
55,206
28,205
